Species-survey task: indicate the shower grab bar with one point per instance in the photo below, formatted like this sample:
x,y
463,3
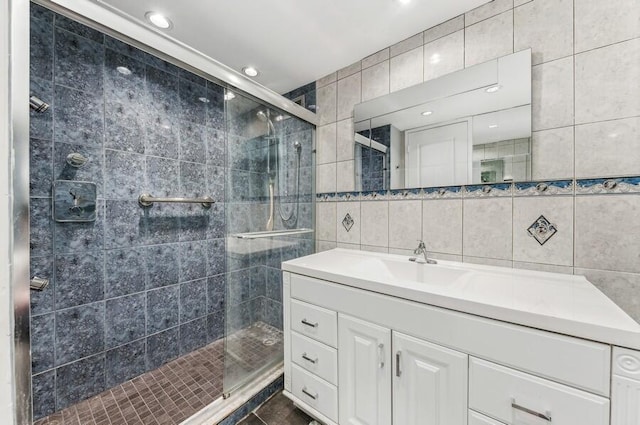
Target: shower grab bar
x,y
147,200
271,233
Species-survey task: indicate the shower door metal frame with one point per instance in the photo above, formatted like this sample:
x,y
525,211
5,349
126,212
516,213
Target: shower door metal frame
x,y
15,127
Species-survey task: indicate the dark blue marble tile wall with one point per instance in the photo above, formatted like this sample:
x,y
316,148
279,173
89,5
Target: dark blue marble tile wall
x,y
138,287
305,96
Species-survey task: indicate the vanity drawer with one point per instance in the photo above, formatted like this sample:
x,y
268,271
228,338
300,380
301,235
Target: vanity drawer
x,y
315,357
315,322
515,398
476,418
317,393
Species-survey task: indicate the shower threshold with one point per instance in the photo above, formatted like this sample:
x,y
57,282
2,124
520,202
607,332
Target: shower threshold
x,y
186,391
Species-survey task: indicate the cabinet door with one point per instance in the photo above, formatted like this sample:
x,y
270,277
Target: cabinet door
x,y
429,383
364,364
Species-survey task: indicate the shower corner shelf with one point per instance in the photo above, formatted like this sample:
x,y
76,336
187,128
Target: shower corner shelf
x,y
271,233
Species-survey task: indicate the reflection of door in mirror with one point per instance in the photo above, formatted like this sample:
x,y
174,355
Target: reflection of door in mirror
x,y
438,156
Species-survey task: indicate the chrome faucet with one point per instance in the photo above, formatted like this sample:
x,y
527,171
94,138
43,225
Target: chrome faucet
x,y
422,249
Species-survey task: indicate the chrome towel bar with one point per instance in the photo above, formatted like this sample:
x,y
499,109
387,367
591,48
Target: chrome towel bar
x,y
271,233
147,200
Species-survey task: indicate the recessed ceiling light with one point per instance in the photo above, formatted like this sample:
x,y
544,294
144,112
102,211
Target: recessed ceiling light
x,y
229,95
279,118
493,89
493,126
427,113
435,58
159,20
250,71
404,1
124,70
203,99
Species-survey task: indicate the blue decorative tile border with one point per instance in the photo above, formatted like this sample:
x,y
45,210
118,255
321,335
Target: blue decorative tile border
x,y
375,195
488,190
613,185
608,186
449,192
348,196
545,188
405,194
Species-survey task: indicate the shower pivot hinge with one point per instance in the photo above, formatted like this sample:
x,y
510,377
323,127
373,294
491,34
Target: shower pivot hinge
x,y
226,395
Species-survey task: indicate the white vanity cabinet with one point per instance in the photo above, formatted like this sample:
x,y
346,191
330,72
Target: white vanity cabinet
x,y
429,383
361,352
364,365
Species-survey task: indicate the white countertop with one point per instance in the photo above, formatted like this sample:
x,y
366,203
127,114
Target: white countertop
x,y
566,304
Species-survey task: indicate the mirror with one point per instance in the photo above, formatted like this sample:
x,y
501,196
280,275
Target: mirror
x,y
472,126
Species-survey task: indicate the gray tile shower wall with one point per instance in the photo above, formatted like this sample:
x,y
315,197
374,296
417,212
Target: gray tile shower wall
x,y
139,286
586,114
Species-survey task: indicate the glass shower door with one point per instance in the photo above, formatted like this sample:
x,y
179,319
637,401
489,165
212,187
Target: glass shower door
x,y
268,195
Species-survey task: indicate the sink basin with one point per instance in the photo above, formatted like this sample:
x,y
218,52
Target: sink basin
x,y
405,271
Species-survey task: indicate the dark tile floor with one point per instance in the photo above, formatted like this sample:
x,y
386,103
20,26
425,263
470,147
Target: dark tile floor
x,y
278,410
170,394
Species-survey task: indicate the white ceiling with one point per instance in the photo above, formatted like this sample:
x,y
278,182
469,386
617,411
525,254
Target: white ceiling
x,y
294,42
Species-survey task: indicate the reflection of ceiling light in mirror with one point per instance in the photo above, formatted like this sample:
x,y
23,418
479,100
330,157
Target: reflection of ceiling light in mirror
x,y
493,89
493,126
229,95
427,113
435,58
159,20
613,135
124,70
250,71
203,99
279,118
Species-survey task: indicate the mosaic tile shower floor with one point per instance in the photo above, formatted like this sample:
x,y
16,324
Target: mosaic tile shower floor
x,y
175,391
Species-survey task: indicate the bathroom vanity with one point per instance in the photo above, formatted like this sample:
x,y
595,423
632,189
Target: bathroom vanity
x,y
374,339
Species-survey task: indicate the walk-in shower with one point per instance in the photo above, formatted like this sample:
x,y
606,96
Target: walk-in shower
x,y
156,306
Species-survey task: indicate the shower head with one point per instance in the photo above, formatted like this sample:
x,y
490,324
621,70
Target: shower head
x,y
264,117
38,105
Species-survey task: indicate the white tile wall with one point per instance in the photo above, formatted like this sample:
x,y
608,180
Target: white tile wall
x,y
488,228
406,69
444,55
442,225
600,107
489,39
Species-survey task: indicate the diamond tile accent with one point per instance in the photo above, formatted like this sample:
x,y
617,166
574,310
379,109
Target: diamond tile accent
x,y
348,222
542,230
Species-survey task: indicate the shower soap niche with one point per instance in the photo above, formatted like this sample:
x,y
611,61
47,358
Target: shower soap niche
x,y
74,202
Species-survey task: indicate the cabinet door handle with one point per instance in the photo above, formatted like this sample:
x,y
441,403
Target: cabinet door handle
x,y
307,323
546,415
309,359
308,394
381,355
398,371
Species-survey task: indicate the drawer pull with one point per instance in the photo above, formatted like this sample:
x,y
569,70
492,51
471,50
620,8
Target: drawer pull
x,y
307,323
546,415
309,359
398,371
308,394
381,355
